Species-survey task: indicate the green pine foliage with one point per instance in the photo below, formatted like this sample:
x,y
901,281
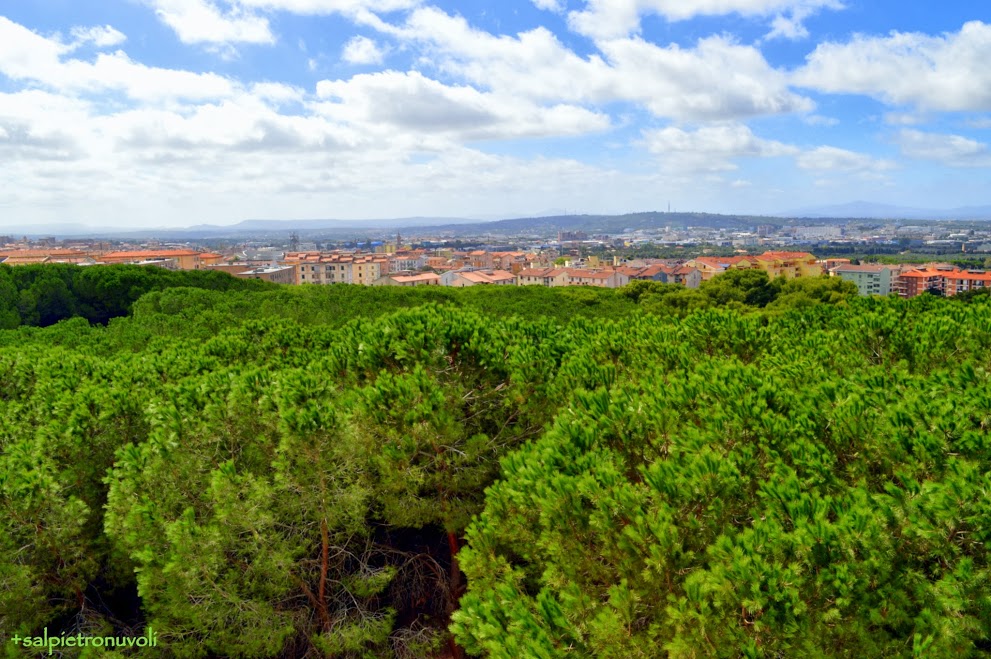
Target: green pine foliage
x,y
756,468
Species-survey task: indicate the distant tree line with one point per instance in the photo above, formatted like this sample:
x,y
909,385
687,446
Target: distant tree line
x,y
42,295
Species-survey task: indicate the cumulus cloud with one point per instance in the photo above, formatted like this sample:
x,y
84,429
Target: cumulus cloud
x,y
223,24
203,22
791,24
26,56
944,73
411,102
952,150
100,36
717,79
347,7
605,19
555,6
362,50
710,148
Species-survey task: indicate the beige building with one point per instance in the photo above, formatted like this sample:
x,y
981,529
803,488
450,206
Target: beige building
x,y
571,277
185,259
275,274
425,279
542,277
462,278
776,264
319,268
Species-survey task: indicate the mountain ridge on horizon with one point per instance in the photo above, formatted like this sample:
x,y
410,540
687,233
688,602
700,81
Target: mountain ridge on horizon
x,y
846,211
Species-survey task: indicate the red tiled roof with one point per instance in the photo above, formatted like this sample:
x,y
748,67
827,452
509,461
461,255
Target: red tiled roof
x,y
151,254
41,252
428,276
787,255
24,260
862,268
968,276
722,261
922,274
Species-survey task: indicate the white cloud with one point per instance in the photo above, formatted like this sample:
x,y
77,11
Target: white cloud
x,y
100,36
240,158
362,50
276,92
944,73
222,24
791,25
952,150
833,159
347,7
604,19
710,148
556,6
412,103
40,127
27,56
202,22
716,80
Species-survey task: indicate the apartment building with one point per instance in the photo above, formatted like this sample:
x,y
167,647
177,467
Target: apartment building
x,y
276,274
940,280
776,264
961,281
319,268
405,261
869,279
542,277
918,281
665,274
35,256
571,277
185,259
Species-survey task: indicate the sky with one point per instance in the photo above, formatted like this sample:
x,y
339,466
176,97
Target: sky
x,y
155,113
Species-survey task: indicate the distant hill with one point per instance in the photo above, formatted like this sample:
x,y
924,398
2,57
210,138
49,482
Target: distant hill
x,y
609,224
542,225
533,225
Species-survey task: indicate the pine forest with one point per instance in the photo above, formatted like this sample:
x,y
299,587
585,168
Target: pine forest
x,y
755,468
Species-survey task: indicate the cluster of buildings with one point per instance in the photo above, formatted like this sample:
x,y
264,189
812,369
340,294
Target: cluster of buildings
x,y
439,267
911,280
173,259
858,235
459,269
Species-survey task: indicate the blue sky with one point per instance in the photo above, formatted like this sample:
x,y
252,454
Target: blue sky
x,y
179,112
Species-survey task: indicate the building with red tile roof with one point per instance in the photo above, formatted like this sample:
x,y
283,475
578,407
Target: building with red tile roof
x,y
465,278
185,259
425,279
918,281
